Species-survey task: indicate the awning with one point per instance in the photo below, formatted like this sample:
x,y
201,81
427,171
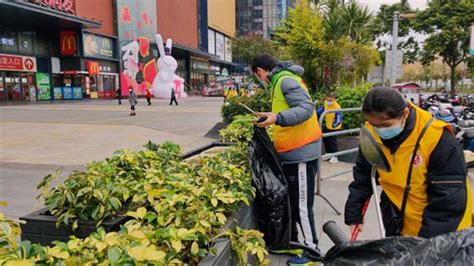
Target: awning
x,y
24,15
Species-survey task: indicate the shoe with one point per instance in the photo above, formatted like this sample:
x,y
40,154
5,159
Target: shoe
x,y
333,160
327,157
301,261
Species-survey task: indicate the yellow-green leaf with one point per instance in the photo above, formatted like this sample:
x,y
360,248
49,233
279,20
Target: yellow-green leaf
x,y
20,263
194,248
214,202
221,218
177,245
260,255
100,246
57,252
205,223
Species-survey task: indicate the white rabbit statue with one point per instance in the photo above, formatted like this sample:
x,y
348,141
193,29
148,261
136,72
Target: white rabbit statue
x,y
166,78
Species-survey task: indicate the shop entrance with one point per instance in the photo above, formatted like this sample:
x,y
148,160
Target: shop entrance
x,y
17,86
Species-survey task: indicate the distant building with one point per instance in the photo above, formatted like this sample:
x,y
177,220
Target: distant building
x,y
260,17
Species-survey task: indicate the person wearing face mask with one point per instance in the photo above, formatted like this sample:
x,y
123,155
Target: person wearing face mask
x,y
435,198
332,122
297,137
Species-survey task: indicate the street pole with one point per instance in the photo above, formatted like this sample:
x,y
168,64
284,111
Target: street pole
x,y
396,17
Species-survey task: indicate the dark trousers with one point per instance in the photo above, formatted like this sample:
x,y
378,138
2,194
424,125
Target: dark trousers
x,y
330,143
173,99
148,99
301,184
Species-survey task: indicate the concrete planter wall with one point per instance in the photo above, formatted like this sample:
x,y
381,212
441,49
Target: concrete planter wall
x,y
245,219
40,227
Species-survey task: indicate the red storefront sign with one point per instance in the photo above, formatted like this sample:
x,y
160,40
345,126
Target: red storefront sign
x,y
70,72
93,67
67,42
68,6
19,63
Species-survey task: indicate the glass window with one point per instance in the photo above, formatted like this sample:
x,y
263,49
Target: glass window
x,y
12,84
25,41
41,44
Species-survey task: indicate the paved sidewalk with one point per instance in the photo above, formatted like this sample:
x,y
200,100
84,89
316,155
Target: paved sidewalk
x,y
37,139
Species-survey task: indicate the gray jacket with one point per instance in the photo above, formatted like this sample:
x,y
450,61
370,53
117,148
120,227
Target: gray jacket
x,y
132,98
302,108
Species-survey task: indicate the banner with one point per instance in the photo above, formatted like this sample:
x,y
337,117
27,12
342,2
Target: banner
x,y
228,49
16,62
220,46
43,85
98,46
211,37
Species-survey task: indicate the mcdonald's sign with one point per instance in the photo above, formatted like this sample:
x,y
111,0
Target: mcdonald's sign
x,y
67,43
93,67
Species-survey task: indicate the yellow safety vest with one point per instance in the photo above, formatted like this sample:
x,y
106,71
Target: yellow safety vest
x,y
294,137
331,116
394,183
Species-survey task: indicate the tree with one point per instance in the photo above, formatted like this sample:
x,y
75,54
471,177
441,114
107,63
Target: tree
x,y
326,61
447,23
350,20
245,48
382,31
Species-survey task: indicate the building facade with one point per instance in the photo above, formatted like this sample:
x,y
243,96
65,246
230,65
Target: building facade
x,y
260,17
76,49
55,51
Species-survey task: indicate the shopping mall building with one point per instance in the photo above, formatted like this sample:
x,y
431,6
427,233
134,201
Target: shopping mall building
x,y
78,49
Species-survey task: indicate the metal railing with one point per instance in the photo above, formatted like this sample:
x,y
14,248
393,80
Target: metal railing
x,y
319,178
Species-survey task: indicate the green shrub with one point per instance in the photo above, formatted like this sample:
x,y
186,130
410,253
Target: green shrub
x,y
260,102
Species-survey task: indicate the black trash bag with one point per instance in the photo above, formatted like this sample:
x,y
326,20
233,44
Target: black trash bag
x,y
272,205
449,249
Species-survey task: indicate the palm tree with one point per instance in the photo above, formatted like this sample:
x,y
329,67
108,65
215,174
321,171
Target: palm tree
x,y
349,19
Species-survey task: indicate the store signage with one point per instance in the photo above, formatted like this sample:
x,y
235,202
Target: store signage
x,y
95,45
20,63
7,41
68,6
70,72
67,42
93,67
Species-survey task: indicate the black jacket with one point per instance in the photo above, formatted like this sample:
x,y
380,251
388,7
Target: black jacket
x,y
446,203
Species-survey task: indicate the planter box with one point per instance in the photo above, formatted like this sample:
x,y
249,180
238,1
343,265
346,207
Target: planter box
x,y
245,219
40,227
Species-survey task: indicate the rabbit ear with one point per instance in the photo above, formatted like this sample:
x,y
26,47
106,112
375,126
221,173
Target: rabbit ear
x,y
169,44
159,43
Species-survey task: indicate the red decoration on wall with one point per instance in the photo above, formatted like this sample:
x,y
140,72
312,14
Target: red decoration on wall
x,y
125,14
144,46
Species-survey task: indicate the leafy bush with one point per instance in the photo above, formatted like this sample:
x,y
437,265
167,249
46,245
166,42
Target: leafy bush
x,y
185,206
240,130
106,188
260,102
348,97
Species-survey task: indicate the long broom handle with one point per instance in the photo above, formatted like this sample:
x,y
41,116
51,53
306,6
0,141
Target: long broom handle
x,y
377,202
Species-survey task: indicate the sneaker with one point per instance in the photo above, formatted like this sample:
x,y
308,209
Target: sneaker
x,y
301,261
333,160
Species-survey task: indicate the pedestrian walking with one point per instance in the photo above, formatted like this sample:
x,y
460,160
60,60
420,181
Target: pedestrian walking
x,y
173,97
297,137
118,92
132,99
332,123
427,193
148,96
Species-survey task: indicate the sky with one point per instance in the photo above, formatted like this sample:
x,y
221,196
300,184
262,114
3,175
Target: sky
x,y
374,5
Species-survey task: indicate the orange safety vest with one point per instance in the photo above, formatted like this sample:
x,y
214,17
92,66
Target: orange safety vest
x,y
291,138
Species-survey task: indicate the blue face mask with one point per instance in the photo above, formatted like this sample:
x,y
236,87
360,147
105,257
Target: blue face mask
x,y
389,132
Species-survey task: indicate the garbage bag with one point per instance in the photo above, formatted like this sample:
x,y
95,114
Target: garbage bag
x,y
272,206
449,249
